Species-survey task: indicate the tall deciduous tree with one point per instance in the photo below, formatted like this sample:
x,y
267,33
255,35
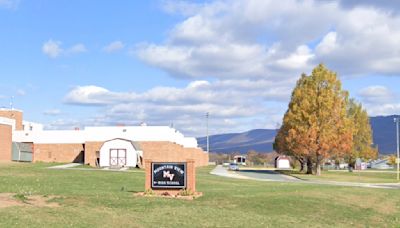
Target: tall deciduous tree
x,y
316,126
282,146
362,134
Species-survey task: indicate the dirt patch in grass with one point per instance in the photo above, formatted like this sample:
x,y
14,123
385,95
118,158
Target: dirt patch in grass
x,y
12,199
7,200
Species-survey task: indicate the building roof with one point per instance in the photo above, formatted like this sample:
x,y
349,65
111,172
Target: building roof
x,y
10,109
101,134
7,121
134,144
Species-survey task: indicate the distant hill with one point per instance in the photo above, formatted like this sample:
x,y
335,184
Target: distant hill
x,y
261,140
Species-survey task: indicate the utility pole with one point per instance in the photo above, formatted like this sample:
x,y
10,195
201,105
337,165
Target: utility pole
x,y
396,120
208,141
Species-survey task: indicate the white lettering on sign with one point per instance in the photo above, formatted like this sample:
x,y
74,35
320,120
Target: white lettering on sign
x,y
166,174
176,168
162,168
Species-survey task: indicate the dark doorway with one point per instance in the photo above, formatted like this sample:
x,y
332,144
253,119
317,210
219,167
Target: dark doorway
x,y
80,158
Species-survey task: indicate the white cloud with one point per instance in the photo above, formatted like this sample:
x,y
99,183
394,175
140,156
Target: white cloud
x,y
9,4
222,61
235,100
232,92
244,57
377,94
383,109
21,92
94,95
255,41
247,38
114,46
77,48
328,44
214,43
69,124
380,100
300,59
52,112
53,49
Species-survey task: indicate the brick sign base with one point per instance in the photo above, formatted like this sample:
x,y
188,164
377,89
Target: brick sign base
x,y
190,178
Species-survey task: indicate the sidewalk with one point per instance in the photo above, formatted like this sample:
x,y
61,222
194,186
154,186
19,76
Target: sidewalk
x,y
66,166
72,165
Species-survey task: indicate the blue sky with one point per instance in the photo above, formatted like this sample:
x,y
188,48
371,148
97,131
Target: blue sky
x,y
80,63
39,82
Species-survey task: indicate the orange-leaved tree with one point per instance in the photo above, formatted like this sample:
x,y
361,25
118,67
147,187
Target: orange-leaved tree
x,y
315,126
294,126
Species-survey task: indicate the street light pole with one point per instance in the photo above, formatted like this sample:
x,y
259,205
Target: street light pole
x,y
398,153
208,141
12,103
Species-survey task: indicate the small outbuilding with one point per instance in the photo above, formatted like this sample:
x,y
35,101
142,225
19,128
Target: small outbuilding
x,y
118,153
282,162
239,159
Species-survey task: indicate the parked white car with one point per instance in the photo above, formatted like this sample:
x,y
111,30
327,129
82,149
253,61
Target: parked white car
x,y
233,167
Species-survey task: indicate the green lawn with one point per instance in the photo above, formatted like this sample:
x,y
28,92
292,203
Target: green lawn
x,y
105,199
361,176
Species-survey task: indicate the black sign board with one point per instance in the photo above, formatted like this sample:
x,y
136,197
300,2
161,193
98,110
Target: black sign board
x,y
168,175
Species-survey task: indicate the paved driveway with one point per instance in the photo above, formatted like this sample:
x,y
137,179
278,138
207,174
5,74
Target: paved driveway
x,y
269,175
263,175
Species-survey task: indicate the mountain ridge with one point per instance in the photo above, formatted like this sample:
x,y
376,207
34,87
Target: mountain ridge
x,y
261,140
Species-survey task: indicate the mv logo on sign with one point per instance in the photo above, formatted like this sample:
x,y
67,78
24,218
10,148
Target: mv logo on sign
x,y
168,175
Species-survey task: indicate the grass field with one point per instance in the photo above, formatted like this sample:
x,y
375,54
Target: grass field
x,y
357,176
105,199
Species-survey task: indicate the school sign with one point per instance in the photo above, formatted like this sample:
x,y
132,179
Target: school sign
x,y
168,175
